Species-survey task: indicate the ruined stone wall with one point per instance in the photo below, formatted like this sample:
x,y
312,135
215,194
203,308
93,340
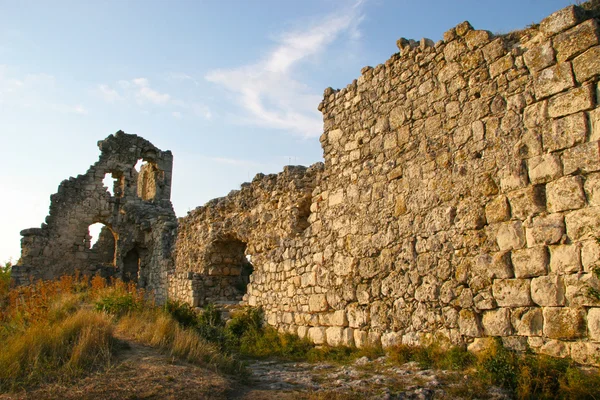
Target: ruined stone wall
x,y
140,225
459,198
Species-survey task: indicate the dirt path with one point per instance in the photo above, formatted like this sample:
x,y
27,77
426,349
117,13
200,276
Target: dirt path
x,y
141,372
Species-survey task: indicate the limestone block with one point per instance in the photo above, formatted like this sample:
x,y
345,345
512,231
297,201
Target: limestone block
x,y
318,303
497,322
560,20
511,236
512,292
390,339
539,57
553,80
565,194
530,262
585,353
476,39
360,338
334,336
484,301
566,132
590,255
565,259
548,291
397,117
578,290
468,323
343,265
583,224
592,189
497,265
496,48
336,198
593,320
317,335
513,176
576,40
544,168
358,317
584,158
575,100
497,210
536,114
348,337
594,117
515,343
527,202
480,345
587,65
545,230
556,348
334,136
564,323
501,65
302,331
527,321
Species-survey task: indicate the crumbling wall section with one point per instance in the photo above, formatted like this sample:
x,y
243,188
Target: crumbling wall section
x,y
233,240
145,223
459,199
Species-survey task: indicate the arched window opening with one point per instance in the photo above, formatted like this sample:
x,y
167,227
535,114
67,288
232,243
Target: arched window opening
x,y
148,179
101,243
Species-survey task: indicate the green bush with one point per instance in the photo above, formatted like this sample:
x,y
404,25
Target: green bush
x,y
181,312
117,304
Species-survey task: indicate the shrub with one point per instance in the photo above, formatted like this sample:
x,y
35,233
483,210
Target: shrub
x,y
182,312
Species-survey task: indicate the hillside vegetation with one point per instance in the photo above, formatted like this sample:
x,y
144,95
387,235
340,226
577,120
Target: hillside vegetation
x,y
60,331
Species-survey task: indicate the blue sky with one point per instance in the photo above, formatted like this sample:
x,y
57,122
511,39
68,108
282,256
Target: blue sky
x,y
231,87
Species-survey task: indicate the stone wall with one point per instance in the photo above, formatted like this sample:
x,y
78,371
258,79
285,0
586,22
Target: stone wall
x,y
460,197
140,225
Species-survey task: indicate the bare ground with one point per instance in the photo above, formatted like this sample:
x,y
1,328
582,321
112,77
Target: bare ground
x,y
141,372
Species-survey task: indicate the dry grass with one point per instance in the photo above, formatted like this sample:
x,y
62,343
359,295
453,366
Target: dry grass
x,y
55,350
158,329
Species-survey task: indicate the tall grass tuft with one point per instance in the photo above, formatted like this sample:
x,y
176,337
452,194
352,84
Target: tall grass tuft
x,y
58,349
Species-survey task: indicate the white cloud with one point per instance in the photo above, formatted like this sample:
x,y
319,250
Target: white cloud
x,y
33,91
269,90
181,76
140,92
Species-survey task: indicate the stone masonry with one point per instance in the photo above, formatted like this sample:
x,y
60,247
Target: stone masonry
x,y
140,224
459,198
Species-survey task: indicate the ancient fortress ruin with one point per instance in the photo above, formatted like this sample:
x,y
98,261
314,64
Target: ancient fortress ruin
x,y
459,198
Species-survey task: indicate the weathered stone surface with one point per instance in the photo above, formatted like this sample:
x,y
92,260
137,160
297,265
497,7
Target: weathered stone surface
x,y
553,80
469,324
590,254
565,194
527,202
318,302
583,158
335,336
576,40
497,210
530,262
317,335
564,323
583,224
594,118
592,189
593,321
556,348
566,132
497,322
560,20
578,288
527,321
548,291
510,236
544,230
575,100
544,168
565,259
587,65
585,353
512,292
539,57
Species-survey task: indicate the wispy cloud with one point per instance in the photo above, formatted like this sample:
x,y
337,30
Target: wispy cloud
x,y
270,91
33,91
139,91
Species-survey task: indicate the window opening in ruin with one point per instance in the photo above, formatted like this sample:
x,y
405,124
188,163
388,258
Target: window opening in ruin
x,y
101,241
109,183
131,266
148,179
113,183
233,264
302,214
